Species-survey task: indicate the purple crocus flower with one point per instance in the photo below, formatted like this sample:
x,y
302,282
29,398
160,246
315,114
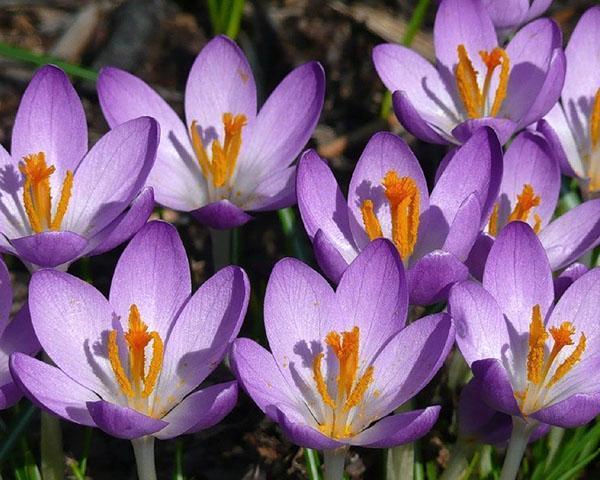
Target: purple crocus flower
x,y
573,126
225,159
529,192
509,15
59,202
475,81
342,361
530,359
131,365
16,335
388,197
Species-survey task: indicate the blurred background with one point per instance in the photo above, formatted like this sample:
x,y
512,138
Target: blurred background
x,y
158,41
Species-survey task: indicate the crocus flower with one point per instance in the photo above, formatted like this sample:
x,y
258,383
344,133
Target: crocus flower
x,y
507,16
131,365
388,197
342,361
529,192
59,202
475,81
16,335
225,160
532,360
573,126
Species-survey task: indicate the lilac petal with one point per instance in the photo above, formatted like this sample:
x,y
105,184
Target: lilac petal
x,y
431,277
125,225
572,234
217,309
508,14
398,429
561,141
329,257
537,8
51,119
411,119
478,256
573,412
532,53
276,190
13,218
518,275
200,410
50,249
152,273
464,229
72,319
10,394
111,176
408,363
285,122
221,215
385,152
503,127
176,178
541,171
303,435
373,296
496,389
122,422
322,204
6,295
50,389
581,81
567,277
480,327
219,82
401,68
463,22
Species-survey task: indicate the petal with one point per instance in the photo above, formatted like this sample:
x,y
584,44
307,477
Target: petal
x,y
176,177
478,255
322,204
572,234
431,130
573,412
496,389
125,225
71,320
50,249
6,295
398,429
541,171
111,175
152,273
537,8
13,218
50,389
561,141
329,257
304,435
217,309
285,122
51,119
373,296
274,191
508,14
431,277
503,127
221,215
518,275
123,422
200,410
567,277
385,152
220,81
464,229
480,327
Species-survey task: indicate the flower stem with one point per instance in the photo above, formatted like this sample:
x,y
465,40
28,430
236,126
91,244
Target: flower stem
x,y
221,248
313,464
516,448
334,463
143,448
53,467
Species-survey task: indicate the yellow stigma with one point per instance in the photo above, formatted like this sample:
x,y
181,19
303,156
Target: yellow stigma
x,y
527,201
37,196
220,167
473,98
350,390
137,385
403,197
539,364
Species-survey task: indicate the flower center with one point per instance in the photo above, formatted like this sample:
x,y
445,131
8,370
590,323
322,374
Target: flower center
x,y
137,384
220,167
37,197
350,389
594,154
403,197
539,364
527,201
474,99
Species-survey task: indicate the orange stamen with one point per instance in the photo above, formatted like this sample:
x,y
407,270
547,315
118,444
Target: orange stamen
x,y
570,361
370,221
595,122
537,342
493,225
466,82
320,381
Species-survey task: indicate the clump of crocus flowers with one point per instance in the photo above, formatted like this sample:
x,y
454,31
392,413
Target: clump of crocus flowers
x,y
485,253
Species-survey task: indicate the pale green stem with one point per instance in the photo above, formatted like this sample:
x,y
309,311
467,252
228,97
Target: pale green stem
x,y
221,248
143,448
516,448
53,466
334,463
460,455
